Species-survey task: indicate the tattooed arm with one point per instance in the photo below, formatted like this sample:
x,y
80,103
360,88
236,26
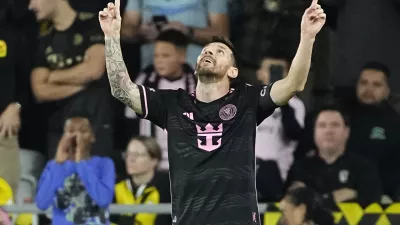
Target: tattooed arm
x,y
122,87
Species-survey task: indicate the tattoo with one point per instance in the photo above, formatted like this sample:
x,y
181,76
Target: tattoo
x,y
122,87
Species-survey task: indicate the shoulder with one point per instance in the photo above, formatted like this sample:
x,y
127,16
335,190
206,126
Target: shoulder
x,y
358,160
121,184
86,18
307,161
104,161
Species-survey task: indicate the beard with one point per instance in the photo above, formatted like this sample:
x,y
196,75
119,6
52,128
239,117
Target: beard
x,y
208,75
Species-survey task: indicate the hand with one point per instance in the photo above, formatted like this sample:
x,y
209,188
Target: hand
x,y
64,146
82,147
177,26
313,20
110,19
148,31
10,121
344,194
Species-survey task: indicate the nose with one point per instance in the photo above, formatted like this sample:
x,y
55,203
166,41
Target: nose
x,y
209,52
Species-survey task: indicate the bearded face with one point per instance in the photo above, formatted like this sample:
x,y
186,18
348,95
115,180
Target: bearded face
x,y
213,63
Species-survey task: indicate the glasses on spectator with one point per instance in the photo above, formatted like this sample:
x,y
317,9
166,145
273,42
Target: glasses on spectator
x,y
126,155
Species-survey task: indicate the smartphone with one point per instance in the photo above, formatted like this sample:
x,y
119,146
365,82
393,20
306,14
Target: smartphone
x,y
160,21
275,73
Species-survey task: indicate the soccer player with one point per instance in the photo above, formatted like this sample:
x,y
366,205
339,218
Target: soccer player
x,y
211,133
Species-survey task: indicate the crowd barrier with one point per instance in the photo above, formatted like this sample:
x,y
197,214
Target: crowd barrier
x,y
345,214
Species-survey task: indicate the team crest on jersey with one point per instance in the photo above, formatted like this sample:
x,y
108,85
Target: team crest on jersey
x,y
209,137
227,112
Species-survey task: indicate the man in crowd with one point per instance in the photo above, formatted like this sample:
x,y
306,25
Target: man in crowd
x,y
199,20
68,74
169,71
278,135
375,125
333,171
14,86
76,185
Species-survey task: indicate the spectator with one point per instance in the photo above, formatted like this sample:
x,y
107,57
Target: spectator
x,y
14,84
199,19
168,72
68,74
265,28
78,187
363,33
284,128
375,125
304,206
280,132
333,172
144,185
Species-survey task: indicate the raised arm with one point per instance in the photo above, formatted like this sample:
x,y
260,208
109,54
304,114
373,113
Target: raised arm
x,y
122,87
283,90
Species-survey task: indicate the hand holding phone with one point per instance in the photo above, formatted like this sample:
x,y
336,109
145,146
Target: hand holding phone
x,y
160,21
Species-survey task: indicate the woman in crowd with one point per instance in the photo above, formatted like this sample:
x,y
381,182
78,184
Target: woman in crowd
x,y
303,206
144,184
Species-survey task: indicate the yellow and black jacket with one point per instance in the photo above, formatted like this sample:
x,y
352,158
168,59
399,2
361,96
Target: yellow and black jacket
x,y
155,192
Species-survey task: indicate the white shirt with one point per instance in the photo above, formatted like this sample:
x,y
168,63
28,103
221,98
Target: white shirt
x,y
271,143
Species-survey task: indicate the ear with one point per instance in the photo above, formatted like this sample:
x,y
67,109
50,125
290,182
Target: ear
x,y
154,163
346,132
233,72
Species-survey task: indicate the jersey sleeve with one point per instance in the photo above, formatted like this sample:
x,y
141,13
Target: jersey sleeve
x,y
156,104
265,106
40,59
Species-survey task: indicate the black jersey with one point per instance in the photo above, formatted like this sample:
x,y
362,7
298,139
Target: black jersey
x,y
211,152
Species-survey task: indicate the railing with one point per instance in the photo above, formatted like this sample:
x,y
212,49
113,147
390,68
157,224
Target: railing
x,y
345,214
114,209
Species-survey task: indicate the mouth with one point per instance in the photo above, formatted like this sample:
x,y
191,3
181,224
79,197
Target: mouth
x,y
208,59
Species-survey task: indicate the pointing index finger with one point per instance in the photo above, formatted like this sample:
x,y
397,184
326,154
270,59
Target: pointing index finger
x,y
117,7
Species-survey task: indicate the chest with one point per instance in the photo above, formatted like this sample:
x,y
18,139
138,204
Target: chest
x,y
207,129
334,176
65,50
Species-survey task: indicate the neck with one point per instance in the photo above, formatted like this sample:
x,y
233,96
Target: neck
x,y
330,156
211,91
64,16
177,74
144,178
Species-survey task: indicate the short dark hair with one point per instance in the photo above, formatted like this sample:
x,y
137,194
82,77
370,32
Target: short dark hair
x,y
151,145
336,108
316,210
79,114
227,42
375,65
174,37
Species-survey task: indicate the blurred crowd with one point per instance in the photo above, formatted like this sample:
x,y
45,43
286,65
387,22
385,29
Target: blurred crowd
x,y
65,142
